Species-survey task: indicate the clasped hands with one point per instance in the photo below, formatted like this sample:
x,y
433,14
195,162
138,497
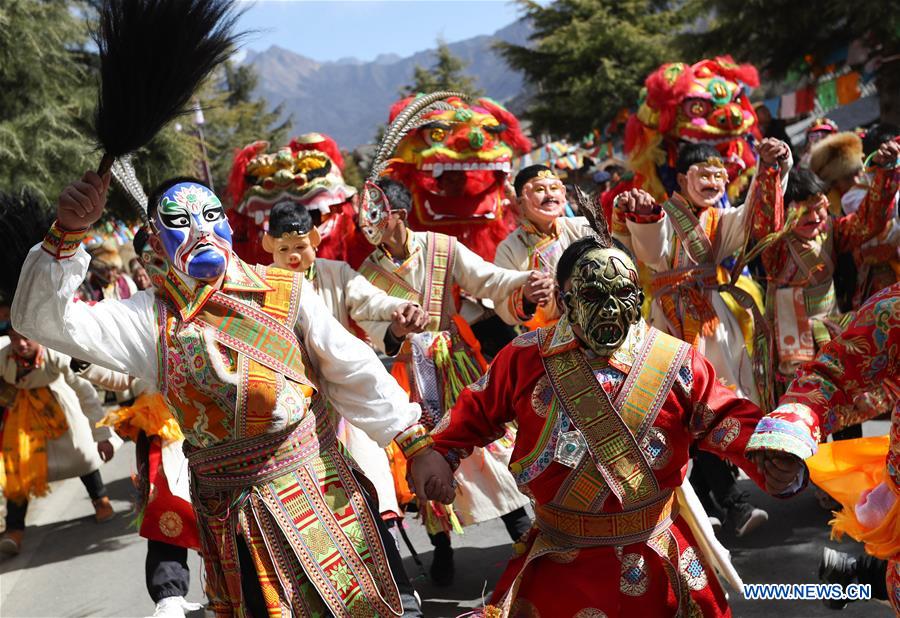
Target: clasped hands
x,y
539,288
409,318
432,478
780,470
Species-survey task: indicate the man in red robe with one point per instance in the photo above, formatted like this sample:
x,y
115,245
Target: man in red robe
x,y
607,410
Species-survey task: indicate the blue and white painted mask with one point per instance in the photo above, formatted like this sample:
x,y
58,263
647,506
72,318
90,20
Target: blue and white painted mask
x,y
193,229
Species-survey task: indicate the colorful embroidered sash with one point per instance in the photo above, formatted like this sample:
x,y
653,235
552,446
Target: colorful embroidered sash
x,y
304,517
683,293
651,524
435,298
696,241
546,253
575,529
612,434
255,333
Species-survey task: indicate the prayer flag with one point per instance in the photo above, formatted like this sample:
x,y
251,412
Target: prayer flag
x,y
847,88
806,100
826,94
789,105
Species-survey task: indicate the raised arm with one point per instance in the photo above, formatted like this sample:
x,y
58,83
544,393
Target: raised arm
x,y
649,230
119,335
504,287
879,205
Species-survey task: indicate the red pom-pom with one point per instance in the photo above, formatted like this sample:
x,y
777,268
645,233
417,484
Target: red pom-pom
x,y
666,87
729,69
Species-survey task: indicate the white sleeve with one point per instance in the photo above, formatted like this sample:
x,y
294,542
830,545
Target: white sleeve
x,y
91,405
369,306
652,242
350,374
483,280
118,335
106,378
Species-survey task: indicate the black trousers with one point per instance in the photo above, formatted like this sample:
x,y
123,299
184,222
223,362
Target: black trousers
x,y
517,524
166,570
253,597
870,570
712,475
16,511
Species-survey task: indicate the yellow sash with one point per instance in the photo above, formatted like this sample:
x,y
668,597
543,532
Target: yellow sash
x,y
34,419
613,431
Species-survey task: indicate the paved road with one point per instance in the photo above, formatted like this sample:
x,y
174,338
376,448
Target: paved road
x,y
73,567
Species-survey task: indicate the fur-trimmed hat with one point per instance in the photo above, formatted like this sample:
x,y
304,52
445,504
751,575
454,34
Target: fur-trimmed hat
x,y
837,156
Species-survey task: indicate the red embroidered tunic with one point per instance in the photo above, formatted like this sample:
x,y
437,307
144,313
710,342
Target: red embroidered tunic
x,y
658,576
853,378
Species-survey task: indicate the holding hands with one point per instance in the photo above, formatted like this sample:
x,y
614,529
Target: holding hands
x,y
410,318
81,203
432,478
539,288
888,154
780,470
106,450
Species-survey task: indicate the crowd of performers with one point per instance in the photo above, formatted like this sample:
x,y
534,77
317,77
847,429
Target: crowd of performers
x,y
726,304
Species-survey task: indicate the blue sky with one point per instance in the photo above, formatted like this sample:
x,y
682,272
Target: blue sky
x,y
333,29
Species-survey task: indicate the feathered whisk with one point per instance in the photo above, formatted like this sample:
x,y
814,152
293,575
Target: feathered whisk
x,y
153,56
24,219
587,206
125,178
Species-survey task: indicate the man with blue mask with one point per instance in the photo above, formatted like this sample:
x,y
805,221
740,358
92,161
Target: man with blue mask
x,y
245,357
190,221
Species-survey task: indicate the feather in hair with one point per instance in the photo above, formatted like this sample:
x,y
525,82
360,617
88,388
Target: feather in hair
x,y
153,56
587,206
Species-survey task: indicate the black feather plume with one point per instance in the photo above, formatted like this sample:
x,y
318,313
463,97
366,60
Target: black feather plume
x,y
24,220
587,206
153,56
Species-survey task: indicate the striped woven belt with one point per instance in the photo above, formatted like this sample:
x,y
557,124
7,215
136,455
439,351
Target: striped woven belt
x,y
240,464
819,300
575,529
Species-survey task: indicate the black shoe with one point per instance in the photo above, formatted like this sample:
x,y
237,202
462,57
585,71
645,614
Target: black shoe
x,y
746,517
442,569
836,568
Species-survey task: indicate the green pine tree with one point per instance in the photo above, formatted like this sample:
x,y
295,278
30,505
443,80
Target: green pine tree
x,y
589,58
777,35
446,74
234,117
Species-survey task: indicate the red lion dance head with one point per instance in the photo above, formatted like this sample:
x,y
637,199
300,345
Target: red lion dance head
x,y
704,102
455,162
307,171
